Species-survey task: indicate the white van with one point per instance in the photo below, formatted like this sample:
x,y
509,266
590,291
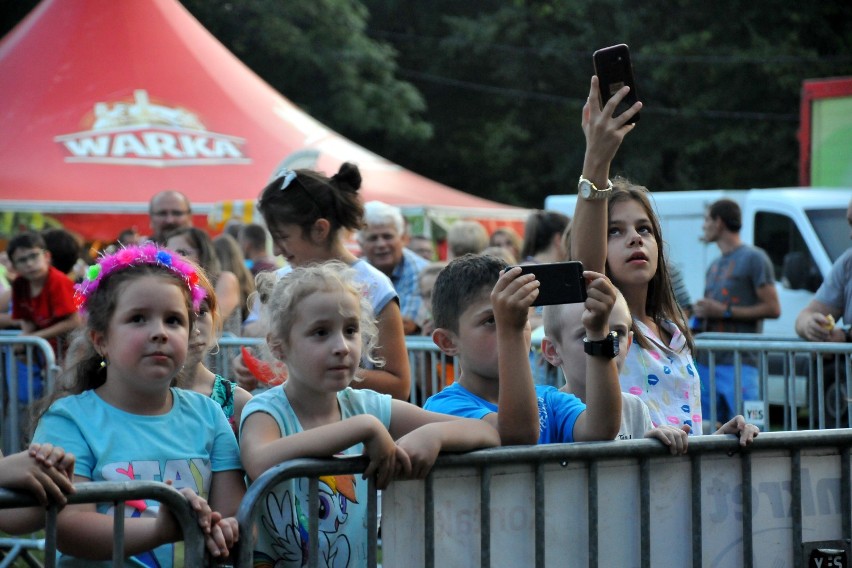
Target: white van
x,y
803,230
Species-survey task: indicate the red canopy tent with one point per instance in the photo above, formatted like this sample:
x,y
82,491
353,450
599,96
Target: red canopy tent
x,y
105,103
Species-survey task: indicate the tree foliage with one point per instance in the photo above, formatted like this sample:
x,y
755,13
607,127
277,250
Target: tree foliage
x,y
720,82
318,54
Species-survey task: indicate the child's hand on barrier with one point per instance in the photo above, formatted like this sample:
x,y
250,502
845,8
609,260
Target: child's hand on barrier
x,y
25,472
600,298
512,296
203,512
422,449
402,469
224,534
676,438
167,525
738,426
381,450
55,457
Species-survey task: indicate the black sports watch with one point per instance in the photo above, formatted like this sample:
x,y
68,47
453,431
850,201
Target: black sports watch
x,y
606,347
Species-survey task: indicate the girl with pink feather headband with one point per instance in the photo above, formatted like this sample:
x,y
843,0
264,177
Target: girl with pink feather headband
x,y
116,411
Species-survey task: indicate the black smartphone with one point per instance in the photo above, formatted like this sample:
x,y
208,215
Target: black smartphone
x,y
560,282
614,70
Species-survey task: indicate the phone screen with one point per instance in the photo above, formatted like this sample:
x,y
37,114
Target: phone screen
x,y
615,70
559,282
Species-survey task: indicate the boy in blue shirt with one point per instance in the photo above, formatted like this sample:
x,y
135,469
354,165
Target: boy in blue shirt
x,y
480,311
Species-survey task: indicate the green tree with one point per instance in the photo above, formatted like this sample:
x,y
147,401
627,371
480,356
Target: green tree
x,y
318,54
504,86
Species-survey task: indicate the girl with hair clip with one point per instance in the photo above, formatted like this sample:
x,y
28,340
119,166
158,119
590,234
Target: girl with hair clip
x,y
195,375
616,229
308,216
320,324
122,420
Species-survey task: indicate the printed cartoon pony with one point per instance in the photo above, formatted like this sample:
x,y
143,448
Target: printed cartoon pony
x,y
286,521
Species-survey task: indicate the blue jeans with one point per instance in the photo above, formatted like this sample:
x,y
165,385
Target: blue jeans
x,y
23,379
726,400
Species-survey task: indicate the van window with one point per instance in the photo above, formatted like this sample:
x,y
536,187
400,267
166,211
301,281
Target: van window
x,y
778,235
832,229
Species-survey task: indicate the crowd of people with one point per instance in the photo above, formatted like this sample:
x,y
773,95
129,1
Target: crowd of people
x,y
137,399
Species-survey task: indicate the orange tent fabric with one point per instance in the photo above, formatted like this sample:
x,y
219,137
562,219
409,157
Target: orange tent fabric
x,y
107,102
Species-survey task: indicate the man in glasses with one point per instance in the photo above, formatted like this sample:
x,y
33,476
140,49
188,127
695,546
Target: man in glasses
x,y
169,210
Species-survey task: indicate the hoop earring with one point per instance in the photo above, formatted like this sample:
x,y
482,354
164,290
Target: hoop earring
x,y
215,350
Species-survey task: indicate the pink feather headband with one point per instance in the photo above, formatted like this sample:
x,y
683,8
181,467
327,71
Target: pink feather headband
x,y
138,256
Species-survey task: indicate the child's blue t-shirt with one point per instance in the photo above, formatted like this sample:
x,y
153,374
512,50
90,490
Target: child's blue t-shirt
x,y
557,411
185,445
281,521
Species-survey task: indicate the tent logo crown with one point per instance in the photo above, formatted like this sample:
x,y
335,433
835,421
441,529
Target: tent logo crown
x,y
141,133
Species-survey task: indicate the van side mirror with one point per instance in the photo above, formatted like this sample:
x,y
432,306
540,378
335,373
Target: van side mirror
x,y
800,273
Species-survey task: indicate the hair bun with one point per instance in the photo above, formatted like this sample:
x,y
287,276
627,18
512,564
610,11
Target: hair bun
x,y
348,177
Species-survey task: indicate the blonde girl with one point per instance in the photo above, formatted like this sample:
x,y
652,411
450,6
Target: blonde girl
x,y
320,324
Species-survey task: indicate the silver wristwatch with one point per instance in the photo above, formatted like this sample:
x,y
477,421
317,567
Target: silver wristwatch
x,y
587,190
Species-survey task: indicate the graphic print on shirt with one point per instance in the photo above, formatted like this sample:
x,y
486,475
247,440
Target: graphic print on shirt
x,y
286,521
194,473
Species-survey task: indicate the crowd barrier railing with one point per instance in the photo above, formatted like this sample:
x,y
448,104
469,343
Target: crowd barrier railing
x,y
782,502
23,354
795,375
117,493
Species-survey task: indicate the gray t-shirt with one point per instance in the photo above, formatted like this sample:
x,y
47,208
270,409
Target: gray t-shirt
x,y
734,279
836,290
635,418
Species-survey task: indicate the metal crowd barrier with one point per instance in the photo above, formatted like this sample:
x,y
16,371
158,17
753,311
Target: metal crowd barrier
x,y
117,493
794,375
807,382
784,501
431,369
16,410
